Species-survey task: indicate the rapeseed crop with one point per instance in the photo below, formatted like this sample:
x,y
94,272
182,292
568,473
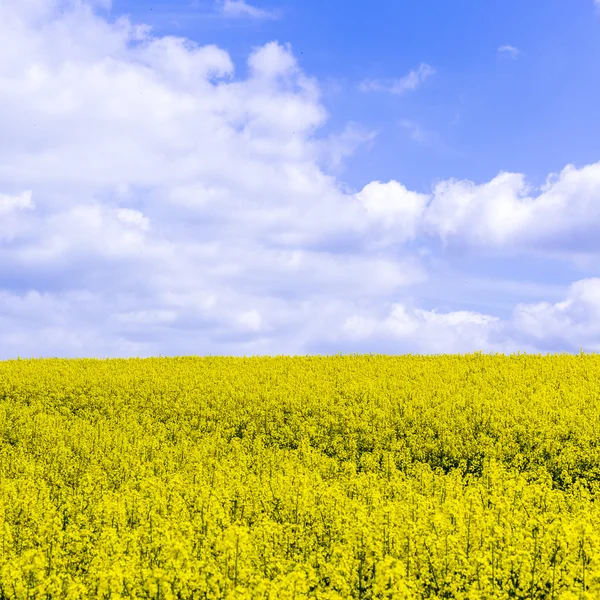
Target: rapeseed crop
x,y
361,476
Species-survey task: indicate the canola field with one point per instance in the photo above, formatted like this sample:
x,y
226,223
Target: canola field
x,y
358,476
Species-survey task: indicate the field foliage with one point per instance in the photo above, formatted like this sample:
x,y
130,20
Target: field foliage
x,y
361,476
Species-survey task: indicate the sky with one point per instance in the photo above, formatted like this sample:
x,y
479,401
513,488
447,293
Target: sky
x,y
236,178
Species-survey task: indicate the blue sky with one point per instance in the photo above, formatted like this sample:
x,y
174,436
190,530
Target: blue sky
x,y
484,109
236,178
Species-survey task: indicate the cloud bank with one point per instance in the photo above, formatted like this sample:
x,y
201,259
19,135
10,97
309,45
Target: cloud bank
x,y
153,202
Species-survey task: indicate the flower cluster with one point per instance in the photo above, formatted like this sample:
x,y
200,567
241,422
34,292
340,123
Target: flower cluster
x,y
361,476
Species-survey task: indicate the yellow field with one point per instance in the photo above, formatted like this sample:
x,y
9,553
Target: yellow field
x,y
301,477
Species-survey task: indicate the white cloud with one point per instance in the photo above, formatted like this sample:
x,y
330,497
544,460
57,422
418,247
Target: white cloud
x,y
165,187
251,320
240,8
133,217
501,212
510,50
393,206
273,60
453,332
11,226
18,202
409,82
338,146
153,202
573,321
571,324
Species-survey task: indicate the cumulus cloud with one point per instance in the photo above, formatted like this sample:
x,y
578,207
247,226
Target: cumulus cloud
x,y
273,60
153,202
393,206
410,82
573,321
423,330
570,324
169,192
501,213
564,215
